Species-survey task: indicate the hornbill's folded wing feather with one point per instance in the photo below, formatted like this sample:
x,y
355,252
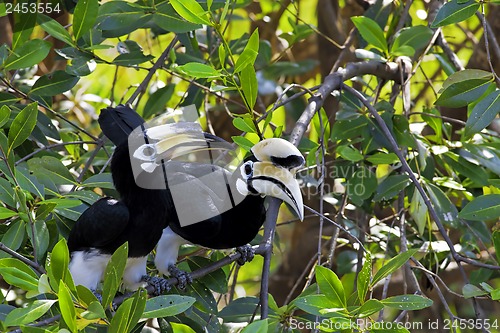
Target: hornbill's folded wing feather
x,y
99,225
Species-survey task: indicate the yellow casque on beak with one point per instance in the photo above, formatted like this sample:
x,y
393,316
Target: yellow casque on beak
x,y
269,179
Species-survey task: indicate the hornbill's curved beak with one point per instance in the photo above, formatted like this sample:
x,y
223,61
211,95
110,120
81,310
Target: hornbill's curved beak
x,y
269,179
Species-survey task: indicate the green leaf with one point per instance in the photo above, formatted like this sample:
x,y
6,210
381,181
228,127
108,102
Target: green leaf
x,y
454,12
103,180
445,209
383,158
167,305
195,69
466,168
244,124
215,281
113,274
243,142
239,310
259,326
157,102
191,11
371,32
470,290
53,84
392,265
14,237
418,211
416,37
54,28
18,274
67,307
361,184
349,153
249,85
58,270
131,59
370,307
168,19
28,314
22,126
24,23
4,115
84,17
348,128
407,302
390,187
464,87
28,54
249,54
317,304
483,114
330,285
484,207
5,213
94,311
364,276
128,313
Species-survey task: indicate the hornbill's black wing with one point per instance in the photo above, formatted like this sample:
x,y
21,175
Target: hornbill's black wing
x,y
99,226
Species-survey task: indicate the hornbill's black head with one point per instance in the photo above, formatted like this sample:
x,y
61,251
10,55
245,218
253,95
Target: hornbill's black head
x,y
269,171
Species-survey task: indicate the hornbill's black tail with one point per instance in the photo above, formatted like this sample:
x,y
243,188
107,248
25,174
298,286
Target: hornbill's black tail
x,y
118,122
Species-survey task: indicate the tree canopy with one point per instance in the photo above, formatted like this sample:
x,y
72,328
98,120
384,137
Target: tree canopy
x,y
393,104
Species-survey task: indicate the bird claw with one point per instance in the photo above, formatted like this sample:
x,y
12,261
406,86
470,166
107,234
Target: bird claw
x,y
247,254
183,278
160,285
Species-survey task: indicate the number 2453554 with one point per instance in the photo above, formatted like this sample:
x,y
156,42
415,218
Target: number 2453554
x,y
25,8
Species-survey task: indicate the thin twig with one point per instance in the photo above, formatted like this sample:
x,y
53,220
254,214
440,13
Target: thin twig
x,y
39,268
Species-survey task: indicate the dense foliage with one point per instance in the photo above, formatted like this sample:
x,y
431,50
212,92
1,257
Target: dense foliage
x,y
404,196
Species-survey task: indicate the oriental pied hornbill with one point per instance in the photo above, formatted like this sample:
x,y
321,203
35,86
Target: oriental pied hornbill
x,y
171,201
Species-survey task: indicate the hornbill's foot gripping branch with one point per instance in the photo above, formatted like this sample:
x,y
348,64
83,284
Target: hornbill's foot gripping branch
x,y
247,254
183,278
159,284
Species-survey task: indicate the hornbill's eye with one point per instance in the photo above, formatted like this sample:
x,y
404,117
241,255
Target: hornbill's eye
x,y
247,169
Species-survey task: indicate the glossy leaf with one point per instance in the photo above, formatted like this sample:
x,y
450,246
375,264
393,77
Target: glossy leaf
x,y
330,285
54,28
249,54
129,313
392,265
470,290
28,54
28,314
18,274
418,211
24,23
22,126
454,11
407,302
67,307
53,84
167,305
362,184
482,208
349,153
416,37
4,115
483,114
364,277
370,307
464,87
58,270
5,213
243,142
239,310
195,69
157,102
249,85
244,124
167,18
259,326
391,186
191,11
317,304
496,242
84,16
14,237
371,32
102,180
445,209
113,274
383,158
